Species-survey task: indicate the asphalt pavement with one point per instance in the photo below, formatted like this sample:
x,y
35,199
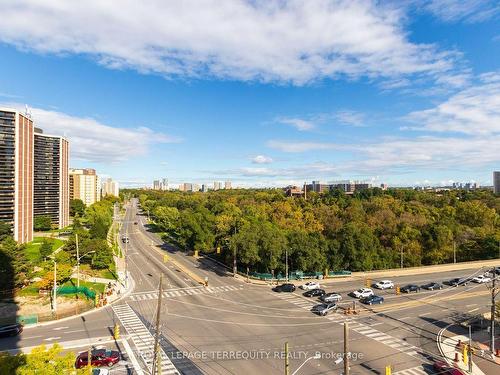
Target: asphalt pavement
x,y
232,327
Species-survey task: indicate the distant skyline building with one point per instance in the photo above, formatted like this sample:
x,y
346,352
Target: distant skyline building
x,y
164,184
496,182
51,178
16,173
110,187
347,186
156,185
84,184
227,185
217,185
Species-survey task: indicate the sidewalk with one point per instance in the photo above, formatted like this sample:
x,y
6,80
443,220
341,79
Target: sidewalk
x,y
448,347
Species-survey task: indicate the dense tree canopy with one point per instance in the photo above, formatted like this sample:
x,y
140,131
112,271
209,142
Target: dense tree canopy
x,y
372,229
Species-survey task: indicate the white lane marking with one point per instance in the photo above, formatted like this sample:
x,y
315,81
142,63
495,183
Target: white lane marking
x,y
74,331
131,355
59,328
52,338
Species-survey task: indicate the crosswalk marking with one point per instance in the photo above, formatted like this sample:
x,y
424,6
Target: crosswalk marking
x,y
142,296
143,339
419,370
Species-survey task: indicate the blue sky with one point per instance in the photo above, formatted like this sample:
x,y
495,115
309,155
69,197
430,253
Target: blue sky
x,y
262,93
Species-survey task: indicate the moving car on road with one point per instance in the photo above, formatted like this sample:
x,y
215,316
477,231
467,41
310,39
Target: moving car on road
x,y
10,330
482,279
100,357
362,293
324,308
125,239
384,284
314,293
410,288
288,288
458,281
432,286
310,285
331,297
371,300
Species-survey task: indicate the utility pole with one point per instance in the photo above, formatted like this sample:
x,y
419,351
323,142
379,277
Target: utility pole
x,y
347,354
469,349
54,304
156,358
287,361
235,268
454,252
401,250
493,311
286,264
77,262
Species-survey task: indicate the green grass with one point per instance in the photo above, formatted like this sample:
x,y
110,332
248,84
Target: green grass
x,y
32,250
108,273
28,291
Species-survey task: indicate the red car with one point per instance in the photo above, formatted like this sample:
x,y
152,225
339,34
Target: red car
x,y
100,357
443,368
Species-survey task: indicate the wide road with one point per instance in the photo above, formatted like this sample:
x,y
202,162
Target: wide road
x,y
233,327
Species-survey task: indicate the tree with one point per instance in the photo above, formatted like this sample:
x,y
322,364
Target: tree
x,y
5,230
41,360
63,273
102,256
76,208
13,264
45,248
42,223
167,218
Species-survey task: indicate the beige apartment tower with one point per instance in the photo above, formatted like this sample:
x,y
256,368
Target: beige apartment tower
x,y
496,182
84,184
16,173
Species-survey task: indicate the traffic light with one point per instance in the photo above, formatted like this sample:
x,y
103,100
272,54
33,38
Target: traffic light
x,y
165,258
367,283
388,370
465,354
218,249
116,332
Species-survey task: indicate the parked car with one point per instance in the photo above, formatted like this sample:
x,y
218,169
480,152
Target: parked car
x,y
310,285
432,286
443,368
482,279
371,300
331,297
324,308
100,371
410,288
362,293
384,284
125,239
314,293
288,288
457,281
100,357
9,330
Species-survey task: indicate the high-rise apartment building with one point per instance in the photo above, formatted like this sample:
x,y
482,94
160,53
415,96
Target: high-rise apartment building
x,y
84,184
496,182
110,187
217,185
164,184
156,185
51,178
16,173
227,185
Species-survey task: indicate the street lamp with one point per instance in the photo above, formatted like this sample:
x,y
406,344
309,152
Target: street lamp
x,y
315,356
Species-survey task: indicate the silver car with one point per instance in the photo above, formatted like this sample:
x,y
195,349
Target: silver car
x,y
324,308
331,297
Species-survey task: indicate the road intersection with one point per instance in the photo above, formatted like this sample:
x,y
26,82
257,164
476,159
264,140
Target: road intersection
x,y
234,327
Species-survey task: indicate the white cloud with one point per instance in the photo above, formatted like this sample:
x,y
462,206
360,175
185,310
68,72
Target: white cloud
x,y
295,147
350,118
297,123
291,42
262,159
474,110
93,141
462,10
